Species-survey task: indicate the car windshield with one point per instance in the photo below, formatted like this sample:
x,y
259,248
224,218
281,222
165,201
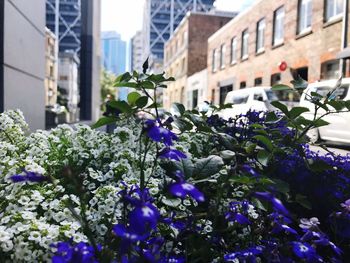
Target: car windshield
x,y
237,98
271,96
339,94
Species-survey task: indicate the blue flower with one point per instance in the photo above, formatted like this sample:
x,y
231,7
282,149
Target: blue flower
x,y
158,133
182,189
276,203
28,177
235,215
303,250
172,154
66,252
247,255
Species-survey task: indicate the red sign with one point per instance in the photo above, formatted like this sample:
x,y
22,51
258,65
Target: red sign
x,y
282,66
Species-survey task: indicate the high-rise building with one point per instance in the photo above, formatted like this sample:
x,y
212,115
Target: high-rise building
x,y
161,17
77,23
113,52
136,50
114,57
69,19
22,59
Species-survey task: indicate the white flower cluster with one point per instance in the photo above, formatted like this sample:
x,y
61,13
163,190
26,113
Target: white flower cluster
x,y
34,216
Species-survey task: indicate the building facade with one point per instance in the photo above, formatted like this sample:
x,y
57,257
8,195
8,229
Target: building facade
x,y
68,82
22,59
196,89
303,37
69,21
136,52
161,17
77,24
186,52
50,69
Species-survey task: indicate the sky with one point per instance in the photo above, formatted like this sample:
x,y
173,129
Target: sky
x,y
125,16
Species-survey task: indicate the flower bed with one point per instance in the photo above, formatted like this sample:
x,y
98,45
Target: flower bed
x,y
188,188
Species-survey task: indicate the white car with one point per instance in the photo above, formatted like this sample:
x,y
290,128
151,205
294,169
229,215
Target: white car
x,y
243,100
338,129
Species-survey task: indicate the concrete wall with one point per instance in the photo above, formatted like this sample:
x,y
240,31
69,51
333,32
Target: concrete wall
x,y
311,49
24,59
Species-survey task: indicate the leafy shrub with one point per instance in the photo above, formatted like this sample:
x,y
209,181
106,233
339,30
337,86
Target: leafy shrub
x,y
187,188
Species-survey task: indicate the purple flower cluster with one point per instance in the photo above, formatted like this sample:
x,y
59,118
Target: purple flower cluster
x,y
28,177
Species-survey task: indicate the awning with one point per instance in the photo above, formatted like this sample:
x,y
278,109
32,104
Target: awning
x,y
226,82
345,53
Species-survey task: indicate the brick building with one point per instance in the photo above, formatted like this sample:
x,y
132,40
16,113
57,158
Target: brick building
x,y
247,51
185,53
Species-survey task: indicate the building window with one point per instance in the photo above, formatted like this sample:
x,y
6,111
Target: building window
x,y
275,78
304,15
222,55
333,8
233,50
223,93
257,82
214,60
184,38
330,69
242,85
244,51
260,35
278,26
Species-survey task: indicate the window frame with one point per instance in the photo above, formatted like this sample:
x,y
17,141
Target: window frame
x,y
245,36
262,48
307,28
222,55
233,57
334,16
277,42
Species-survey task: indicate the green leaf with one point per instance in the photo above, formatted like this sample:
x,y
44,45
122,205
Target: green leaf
x,y
297,111
271,117
227,141
280,87
280,106
320,122
121,105
281,186
337,105
183,125
263,157
126,84
185,166
319,166
302,200
156,77
147,84
179,108
208,166
145,66
133,97
299,83
347,104
250,148
104,121
123,77
264,140
172,202
141,102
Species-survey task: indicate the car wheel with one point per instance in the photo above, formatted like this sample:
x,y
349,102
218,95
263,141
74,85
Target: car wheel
x,y
313,135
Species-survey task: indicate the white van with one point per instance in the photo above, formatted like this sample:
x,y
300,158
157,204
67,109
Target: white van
x,y
338,129
243,100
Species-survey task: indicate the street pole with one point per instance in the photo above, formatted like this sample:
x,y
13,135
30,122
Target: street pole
x,y
344,42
